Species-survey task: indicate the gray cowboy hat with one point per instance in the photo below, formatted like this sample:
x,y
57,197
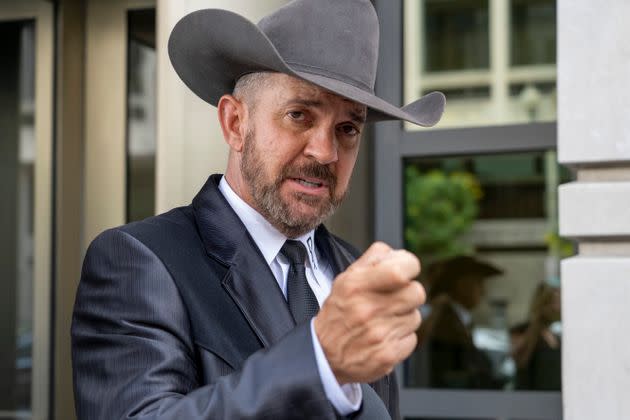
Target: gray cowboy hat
x,y
330,43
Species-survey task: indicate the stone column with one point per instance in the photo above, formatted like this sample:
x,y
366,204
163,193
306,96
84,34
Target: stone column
x,y
594,139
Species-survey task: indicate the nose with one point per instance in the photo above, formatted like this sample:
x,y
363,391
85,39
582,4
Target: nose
x,y
322,145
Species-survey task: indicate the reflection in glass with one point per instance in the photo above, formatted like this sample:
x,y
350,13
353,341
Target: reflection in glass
x,y
474,93
141,114
17,166
456,35
497,74
485,228
533,101
533,39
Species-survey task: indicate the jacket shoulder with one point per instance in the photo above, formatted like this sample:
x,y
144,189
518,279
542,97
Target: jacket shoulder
x,y
351,249
180,219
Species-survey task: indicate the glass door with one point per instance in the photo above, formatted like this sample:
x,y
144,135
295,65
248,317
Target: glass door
x,y
475,199
25,219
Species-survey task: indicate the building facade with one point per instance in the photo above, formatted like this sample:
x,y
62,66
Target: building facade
x,y
528,173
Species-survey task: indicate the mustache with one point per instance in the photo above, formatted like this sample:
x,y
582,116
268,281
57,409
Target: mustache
x,y
310,170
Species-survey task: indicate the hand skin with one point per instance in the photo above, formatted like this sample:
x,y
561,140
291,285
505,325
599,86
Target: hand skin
x,y
368,323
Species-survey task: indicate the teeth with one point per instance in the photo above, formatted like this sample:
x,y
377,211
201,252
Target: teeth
x,y
308,184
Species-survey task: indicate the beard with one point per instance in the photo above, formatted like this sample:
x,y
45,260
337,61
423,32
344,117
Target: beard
x,y
284,214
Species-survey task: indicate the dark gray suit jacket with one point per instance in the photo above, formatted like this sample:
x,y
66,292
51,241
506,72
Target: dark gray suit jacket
x,y
180,317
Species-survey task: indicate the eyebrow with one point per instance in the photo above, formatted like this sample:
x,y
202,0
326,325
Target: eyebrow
x,y
357,117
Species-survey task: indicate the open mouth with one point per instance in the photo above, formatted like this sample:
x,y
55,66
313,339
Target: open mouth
x,y
308,184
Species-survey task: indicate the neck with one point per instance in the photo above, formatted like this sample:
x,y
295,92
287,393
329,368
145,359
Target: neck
x,y
235,180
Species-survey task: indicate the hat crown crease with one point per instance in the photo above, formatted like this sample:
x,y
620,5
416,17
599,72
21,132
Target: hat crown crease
x,y
330,38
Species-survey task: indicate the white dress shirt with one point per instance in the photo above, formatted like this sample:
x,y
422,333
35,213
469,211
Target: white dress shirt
x,y
345,398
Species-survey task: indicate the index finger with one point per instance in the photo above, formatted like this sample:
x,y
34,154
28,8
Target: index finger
x,y
393,271
376,252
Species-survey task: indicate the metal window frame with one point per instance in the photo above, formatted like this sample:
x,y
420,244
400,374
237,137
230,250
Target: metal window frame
x,y
392,145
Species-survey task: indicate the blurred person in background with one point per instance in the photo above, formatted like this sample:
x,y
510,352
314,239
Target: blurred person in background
x,y
455,288
536,346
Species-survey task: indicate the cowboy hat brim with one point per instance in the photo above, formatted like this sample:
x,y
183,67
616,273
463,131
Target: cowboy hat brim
x,y
211,49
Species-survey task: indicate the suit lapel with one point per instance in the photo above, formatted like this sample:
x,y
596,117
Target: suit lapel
x,y
249,280
253,287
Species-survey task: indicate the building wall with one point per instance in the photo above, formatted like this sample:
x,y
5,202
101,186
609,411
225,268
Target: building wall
x,y
594,138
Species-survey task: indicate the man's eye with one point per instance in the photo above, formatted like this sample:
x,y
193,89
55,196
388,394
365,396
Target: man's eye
x,y
296,115
349,130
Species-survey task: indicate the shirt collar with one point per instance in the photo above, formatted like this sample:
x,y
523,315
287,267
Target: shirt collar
x,y
266,237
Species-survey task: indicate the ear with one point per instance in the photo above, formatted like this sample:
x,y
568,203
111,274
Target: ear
x,y
233,119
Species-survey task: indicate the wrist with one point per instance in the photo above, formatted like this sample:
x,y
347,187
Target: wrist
x,y
346,398
321,336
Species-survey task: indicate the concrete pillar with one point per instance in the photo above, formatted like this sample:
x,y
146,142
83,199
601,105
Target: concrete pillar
x,y
594,139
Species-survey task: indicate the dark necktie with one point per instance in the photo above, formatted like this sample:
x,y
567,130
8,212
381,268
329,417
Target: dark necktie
x,y
302,301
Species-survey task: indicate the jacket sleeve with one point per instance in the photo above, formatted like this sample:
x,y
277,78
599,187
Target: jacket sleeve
x,y
133,355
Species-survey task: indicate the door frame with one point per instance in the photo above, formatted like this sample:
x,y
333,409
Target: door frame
x,y
105,186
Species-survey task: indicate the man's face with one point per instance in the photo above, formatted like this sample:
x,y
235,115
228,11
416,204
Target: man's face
x,y
469,290
299,153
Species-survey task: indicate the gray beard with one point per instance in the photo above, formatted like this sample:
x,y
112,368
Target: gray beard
x,y
268,201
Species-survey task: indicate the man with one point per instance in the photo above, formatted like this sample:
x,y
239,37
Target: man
x,y
211,310
455,288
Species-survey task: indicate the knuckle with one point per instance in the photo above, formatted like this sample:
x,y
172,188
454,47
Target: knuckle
x,y
417,319
419,293
412,257
380,246
396,274
352,288
363,314
340,285
387,358
412,344
345,285
377,335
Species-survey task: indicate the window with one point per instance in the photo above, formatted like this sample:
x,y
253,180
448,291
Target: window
x,y
475,195
494,59
18,160
485,228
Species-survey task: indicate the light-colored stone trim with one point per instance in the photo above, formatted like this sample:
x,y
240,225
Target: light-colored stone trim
x,y
595,209
594,138
605,174
605,248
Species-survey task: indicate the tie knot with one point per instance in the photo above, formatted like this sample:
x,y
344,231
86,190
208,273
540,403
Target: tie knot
x,y
295,251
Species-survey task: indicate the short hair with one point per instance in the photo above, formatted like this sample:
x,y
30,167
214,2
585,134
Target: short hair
x,y
248,86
